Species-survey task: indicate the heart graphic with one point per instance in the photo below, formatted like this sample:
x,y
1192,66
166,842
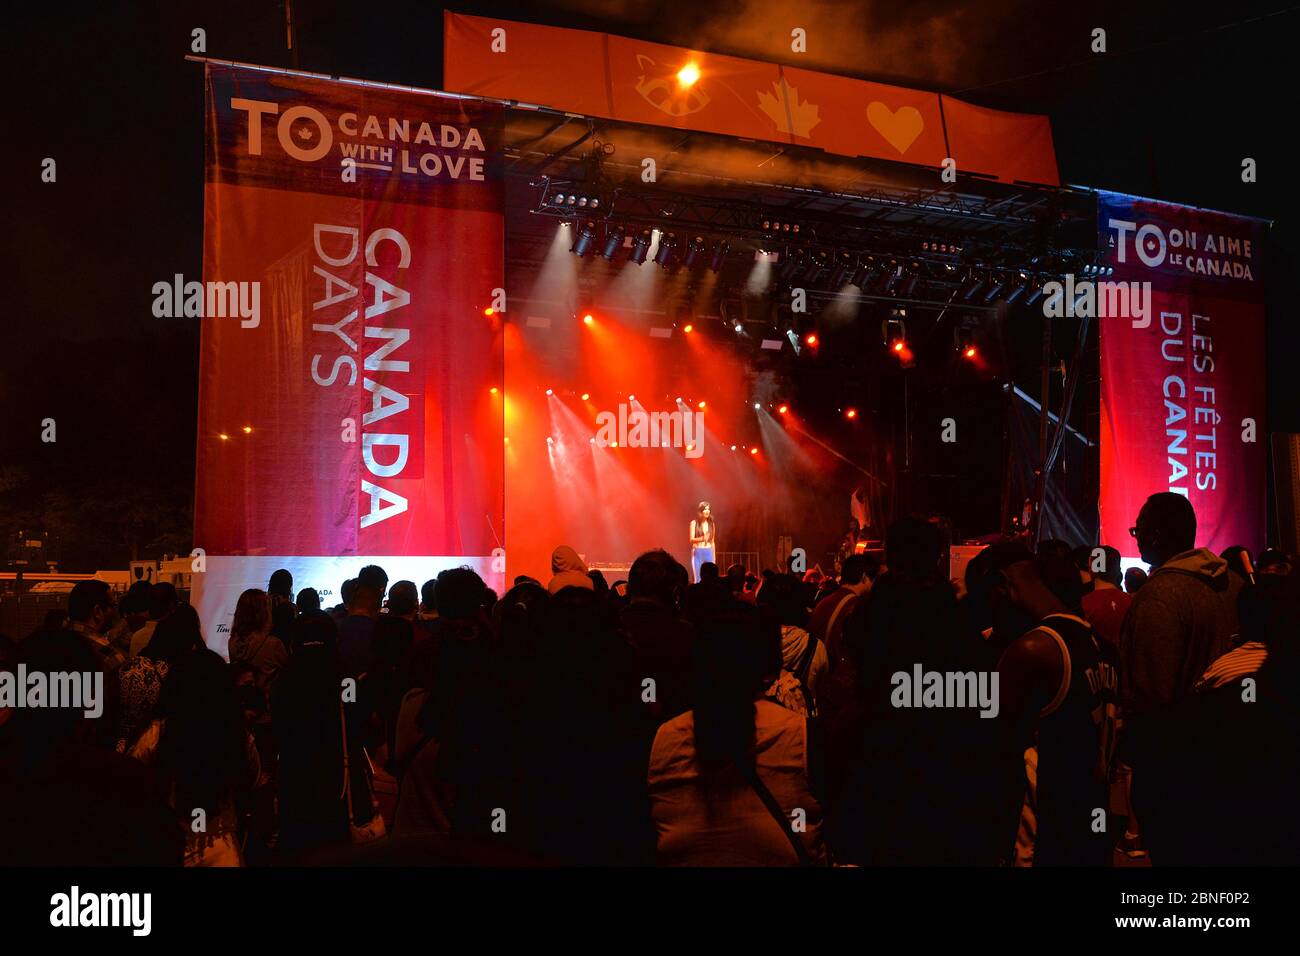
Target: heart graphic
x,y
900,128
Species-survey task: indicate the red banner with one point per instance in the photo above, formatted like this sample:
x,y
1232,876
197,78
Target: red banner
x,y
598,74
349,418
1182,369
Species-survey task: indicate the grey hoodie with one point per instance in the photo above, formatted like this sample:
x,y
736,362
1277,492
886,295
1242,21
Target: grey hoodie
x,y
568,570
1180,621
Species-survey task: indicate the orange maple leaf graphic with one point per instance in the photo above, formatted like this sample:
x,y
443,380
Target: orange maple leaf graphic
x,y
803,116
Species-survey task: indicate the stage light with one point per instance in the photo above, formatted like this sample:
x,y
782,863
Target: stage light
x,y
585,241
844,268
248,429
700,405
733,447
631,398
791,266
550,440
757,406
688,75
688,328
738,327
613,239
494,390
973,284
641,247
899,345
588,319
690,447
850,413
667,249
970,352
720,251
489,311
866,271
819,264
998,285
782,409
694,249
810,338
550,391
1016,292
586,396
1035,294
592,440
224,437
679,400
507,439
754,450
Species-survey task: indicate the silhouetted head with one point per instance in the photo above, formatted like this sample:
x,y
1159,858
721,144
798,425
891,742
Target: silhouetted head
x,y
1165,526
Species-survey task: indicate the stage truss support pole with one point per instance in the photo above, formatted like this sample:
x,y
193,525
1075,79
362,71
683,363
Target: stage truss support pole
x,y
1008,410
1045,394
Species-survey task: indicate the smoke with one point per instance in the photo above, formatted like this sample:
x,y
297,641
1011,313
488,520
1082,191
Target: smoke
x,y
930,45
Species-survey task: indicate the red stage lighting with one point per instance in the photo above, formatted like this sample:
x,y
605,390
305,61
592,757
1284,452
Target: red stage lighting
x,y
248,429
489,311
783,409
970,352
588,318
550,391
689,328
688,75
700,405
810,338
586,395
851,413
899,345
754,450
494,390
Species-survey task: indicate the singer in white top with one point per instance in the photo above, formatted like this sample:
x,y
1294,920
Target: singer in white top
x,y
704,534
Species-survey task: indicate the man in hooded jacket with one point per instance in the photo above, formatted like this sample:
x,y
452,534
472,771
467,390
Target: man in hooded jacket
x,y
1182,620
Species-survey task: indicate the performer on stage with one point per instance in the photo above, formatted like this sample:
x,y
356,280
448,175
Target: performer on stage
x,y
703,538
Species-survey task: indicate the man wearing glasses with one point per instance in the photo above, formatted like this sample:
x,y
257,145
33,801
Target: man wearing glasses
x,y
1181,620
92,610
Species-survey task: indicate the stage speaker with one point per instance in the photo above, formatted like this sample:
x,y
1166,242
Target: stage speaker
x,y
1286,489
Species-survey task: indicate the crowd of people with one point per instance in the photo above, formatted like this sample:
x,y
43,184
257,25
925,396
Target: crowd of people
x,y
746,719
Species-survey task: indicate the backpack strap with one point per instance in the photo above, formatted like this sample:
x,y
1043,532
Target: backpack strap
x,y
750,773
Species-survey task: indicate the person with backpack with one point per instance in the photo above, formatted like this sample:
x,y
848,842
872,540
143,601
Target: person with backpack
x,y
805,664
735,781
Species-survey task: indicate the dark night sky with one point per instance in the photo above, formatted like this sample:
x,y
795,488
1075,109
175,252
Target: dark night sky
x,y
1182,96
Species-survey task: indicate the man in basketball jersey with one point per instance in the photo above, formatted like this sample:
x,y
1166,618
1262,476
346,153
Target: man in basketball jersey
x,y
1058,687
